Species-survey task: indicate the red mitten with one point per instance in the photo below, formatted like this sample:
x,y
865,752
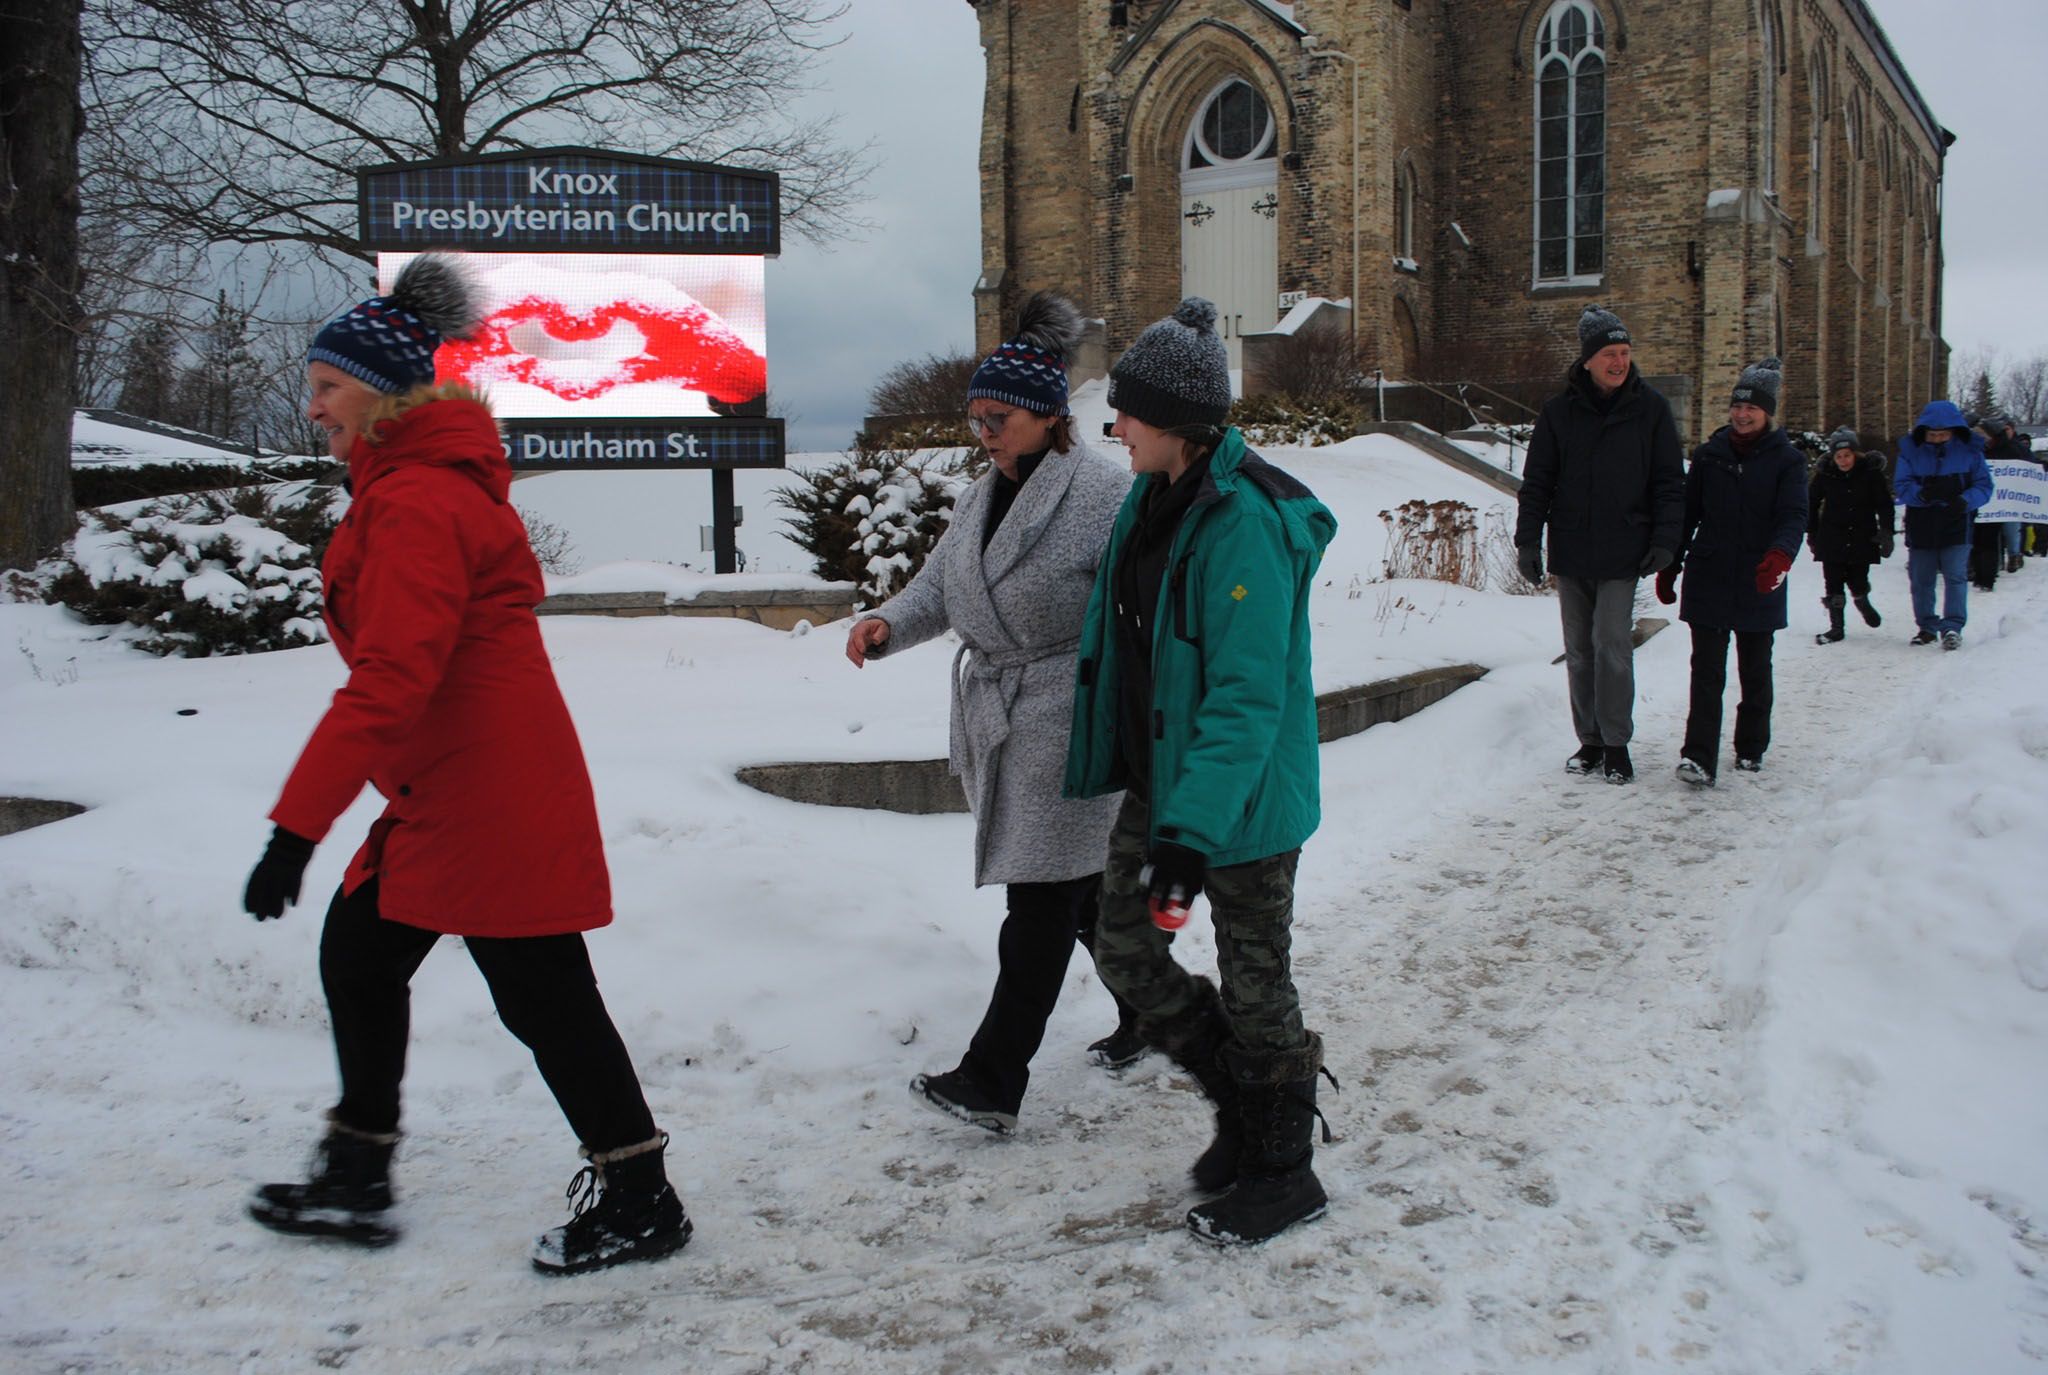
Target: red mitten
x,y
1667,585
1772,570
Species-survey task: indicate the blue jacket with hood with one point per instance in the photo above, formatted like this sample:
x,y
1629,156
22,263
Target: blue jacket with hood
x,y
1940,485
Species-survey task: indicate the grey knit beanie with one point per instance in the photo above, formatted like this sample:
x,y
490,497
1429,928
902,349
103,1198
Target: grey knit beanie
x,y
1759,385
1175,373
1599,327
1844,438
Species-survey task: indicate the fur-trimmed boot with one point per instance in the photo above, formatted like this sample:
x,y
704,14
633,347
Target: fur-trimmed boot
x,y
1276,1184
1868,612
1834,632
622,1209
347,1197
1199,1052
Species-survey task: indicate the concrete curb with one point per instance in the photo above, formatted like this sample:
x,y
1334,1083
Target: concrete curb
x,y
922,787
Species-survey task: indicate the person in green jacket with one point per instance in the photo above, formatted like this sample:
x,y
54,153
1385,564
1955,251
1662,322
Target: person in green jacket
x,y
1193,696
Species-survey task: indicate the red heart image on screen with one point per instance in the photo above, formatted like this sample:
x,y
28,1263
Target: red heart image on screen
x,y
578,354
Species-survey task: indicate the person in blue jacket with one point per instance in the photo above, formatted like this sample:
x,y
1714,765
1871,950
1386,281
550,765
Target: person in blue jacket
x,y
1941,479
1745,513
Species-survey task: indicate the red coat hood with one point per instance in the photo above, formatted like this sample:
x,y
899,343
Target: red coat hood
x,y
446,427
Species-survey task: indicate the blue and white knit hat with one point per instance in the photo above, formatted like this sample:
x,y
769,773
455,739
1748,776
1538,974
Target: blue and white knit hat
x,y
1030,370
389,341
1176,372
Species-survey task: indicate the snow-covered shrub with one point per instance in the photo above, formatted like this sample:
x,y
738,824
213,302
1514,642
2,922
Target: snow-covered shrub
x,y
873,516
1438,540
104,485
1272,420
234,572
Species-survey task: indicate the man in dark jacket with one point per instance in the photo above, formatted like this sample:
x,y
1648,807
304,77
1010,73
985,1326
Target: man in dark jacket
x,y
2005,444
1745,510
1850,526
1606,476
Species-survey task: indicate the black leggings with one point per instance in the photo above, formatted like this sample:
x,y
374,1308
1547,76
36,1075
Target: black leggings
x,y
1046,921
1854,576
546,994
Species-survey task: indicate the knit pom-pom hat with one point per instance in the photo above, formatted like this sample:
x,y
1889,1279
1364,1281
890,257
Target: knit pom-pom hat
x,y
1759,386
1030,369
389,341
1599,327
1176,373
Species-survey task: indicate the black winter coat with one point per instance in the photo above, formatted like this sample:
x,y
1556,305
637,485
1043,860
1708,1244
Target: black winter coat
x,y
1848,515
1736,511
1609,483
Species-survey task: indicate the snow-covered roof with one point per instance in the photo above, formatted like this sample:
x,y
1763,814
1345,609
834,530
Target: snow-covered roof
x,y
110,438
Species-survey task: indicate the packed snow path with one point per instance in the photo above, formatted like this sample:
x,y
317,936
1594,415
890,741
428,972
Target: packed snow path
x,y
1582,1125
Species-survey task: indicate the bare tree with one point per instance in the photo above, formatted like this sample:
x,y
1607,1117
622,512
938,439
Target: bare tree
x,y
245,121
935,384
2024,385
39,90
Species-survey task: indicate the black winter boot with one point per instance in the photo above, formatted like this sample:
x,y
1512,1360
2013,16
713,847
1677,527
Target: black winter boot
x,y
1835,606
348,1196
1199,1052
623,1210
1868,612
1276,1185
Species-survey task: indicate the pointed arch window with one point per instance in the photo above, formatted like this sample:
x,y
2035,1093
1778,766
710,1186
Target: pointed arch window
x,y
1816,147
1235,127
1571,144
1767,107
1404,212
1852,134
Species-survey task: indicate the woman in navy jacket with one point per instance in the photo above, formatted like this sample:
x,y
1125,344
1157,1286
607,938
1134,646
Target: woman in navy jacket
x,y
1745,513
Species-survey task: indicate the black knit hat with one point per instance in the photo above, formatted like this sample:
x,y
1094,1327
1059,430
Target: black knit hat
x,y
389,341
1599,327
1176,373
1843,438
1759,386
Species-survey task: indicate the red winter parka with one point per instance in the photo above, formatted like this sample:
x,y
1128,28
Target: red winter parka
x,y
451,709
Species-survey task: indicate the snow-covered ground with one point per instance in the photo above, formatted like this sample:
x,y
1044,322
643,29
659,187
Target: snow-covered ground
x,y
1633,1078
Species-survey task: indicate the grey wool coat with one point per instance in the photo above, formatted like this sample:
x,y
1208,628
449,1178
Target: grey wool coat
x,y
1017,608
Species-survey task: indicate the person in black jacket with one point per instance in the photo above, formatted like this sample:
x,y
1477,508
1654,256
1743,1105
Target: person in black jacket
x,y
1606,477
1850,526
1745,510
2005,444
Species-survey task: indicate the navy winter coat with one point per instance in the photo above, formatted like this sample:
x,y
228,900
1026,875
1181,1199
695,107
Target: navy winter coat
x,y
1940,485
1609,483
1849,514
1736,511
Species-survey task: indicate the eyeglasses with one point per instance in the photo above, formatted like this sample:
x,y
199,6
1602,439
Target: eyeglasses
x,y
983,426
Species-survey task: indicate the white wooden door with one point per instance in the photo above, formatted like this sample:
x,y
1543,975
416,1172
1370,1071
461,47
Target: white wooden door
x,y
1230,253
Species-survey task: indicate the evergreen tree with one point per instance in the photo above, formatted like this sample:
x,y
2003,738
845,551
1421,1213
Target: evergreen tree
x,y
149,372
1981,399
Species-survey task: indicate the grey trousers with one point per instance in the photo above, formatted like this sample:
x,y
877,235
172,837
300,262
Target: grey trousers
x,y
1600,657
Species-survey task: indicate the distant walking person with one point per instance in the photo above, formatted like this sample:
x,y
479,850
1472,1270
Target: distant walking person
x,y
2005,444
1606,478
1745,511
1011,577
1942,478
490,830
1850,526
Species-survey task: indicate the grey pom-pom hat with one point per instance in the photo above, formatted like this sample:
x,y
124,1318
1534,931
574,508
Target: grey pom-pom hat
x,y
1599,327
1759,386
1177,372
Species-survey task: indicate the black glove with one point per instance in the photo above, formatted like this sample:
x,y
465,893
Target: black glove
x,y
1529,562
1654,562
274,882
1173,873
1956,503
1884,545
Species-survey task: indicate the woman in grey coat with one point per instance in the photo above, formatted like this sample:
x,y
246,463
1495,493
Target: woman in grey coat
x,y
1011,576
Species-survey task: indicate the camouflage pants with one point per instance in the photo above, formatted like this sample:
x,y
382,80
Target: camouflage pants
x,y
1252,906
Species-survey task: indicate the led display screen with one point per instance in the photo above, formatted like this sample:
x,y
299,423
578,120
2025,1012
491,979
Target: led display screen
x,y
628,335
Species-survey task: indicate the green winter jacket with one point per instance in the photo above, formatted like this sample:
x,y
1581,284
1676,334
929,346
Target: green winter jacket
x,y
1234,768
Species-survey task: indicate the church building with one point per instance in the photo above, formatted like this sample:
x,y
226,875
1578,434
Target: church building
x,y
1734,178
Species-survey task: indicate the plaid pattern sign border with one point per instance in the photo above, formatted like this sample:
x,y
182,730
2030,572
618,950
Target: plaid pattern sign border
x,y
707,441
569,200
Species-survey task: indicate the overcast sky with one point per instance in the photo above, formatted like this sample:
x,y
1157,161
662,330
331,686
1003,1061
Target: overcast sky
x,y
909,77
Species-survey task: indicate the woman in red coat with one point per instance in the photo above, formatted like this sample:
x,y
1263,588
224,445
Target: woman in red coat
x,y
490,833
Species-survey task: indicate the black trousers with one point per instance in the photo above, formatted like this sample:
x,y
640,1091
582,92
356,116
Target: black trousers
x,y
1854,576
1710,682
1045,922
546,994
1987,554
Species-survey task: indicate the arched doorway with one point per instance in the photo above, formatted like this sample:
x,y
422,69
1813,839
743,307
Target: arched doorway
x,y
1230,211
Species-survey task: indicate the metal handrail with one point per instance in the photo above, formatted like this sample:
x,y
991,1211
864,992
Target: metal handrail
x,y
1472,412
